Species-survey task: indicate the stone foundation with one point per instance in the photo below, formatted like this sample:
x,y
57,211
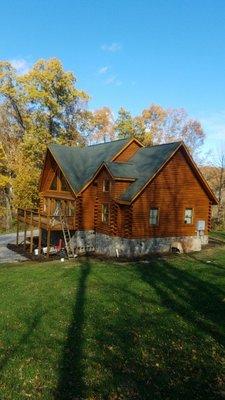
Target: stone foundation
x,y
91,241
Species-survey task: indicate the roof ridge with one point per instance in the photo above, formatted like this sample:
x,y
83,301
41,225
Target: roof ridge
x,y
112,141
163,144
85,147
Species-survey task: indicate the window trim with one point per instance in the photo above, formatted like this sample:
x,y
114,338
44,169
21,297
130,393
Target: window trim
x,y
104,186
192,216
105,222
154,208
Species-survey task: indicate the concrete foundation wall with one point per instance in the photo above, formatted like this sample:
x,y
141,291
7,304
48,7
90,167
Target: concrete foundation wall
x,y
91,241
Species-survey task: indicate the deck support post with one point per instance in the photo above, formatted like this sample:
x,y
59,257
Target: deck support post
x,y
48,241
39,234
31,233
25,230
17,230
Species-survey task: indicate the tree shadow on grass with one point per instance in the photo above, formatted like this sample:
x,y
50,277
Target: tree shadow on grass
x,y
195,300
206,262
71,383
199,306
137,346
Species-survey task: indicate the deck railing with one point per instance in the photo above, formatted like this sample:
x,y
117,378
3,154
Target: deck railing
x,y
41,220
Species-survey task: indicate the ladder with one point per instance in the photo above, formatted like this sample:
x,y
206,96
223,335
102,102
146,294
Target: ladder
x,y
67,237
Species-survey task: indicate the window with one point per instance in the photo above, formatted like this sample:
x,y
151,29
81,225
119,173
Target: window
x,y
64,185
106,185
105,213
44,204
154,216
188,215
54,183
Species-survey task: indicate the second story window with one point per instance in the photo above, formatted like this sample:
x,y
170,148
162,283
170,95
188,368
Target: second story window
x,y
106,185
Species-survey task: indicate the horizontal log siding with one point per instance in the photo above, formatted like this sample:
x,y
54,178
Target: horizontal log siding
x,y
174,189
128,152
119,187
92,199
89,197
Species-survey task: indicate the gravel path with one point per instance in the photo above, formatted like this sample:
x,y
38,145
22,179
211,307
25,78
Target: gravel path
x,y
7,255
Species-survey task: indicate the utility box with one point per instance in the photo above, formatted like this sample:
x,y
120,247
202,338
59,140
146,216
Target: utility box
x,y
200,225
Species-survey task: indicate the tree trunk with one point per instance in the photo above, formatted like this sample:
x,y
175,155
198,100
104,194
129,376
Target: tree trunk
x,y
8,212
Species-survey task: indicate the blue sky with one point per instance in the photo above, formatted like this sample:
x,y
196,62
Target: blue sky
x,y
129,53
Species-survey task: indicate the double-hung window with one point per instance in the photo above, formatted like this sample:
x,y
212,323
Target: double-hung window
x,y
188,216
105,213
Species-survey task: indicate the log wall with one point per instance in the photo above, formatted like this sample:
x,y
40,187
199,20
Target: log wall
x,y
175,188
128,152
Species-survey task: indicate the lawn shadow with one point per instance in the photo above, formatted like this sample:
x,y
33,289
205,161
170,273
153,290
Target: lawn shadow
x,y
195,300
71,375
206,262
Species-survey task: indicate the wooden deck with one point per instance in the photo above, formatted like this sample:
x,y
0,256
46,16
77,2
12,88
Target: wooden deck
x,y
43,221
36,219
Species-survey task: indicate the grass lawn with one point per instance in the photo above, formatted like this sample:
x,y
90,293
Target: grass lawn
x,y
218,235
104,330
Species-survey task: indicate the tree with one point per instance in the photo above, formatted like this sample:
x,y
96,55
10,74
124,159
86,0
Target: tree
x,y
128,126
157,125
5,191
215,175
37,108
124,124
168,125
102,125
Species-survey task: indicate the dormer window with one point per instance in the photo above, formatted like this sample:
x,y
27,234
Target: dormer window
x,y
106,185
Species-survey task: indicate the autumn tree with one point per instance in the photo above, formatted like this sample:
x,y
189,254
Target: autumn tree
x,y
37,108
214,173
157,125
102,125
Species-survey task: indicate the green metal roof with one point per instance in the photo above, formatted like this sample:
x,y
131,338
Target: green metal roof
x,y
80,164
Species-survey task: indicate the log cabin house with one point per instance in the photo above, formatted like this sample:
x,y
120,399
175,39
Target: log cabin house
x,y
122,199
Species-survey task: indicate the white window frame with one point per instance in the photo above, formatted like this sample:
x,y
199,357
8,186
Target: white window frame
x,y
188,219
104,186
105,221
154,220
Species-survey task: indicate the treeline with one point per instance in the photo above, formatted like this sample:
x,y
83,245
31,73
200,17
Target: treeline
x,y
44,105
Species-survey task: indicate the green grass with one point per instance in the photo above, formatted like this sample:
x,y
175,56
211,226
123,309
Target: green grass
x,y
104,330
218,235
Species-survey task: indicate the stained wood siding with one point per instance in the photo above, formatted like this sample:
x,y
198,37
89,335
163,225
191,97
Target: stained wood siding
x,y
49,171
128,152
174,189
93,197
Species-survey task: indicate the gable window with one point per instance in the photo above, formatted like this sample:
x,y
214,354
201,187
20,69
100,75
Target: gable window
x,y
154,216
54,183
188,215
105,213
64,185
106,185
